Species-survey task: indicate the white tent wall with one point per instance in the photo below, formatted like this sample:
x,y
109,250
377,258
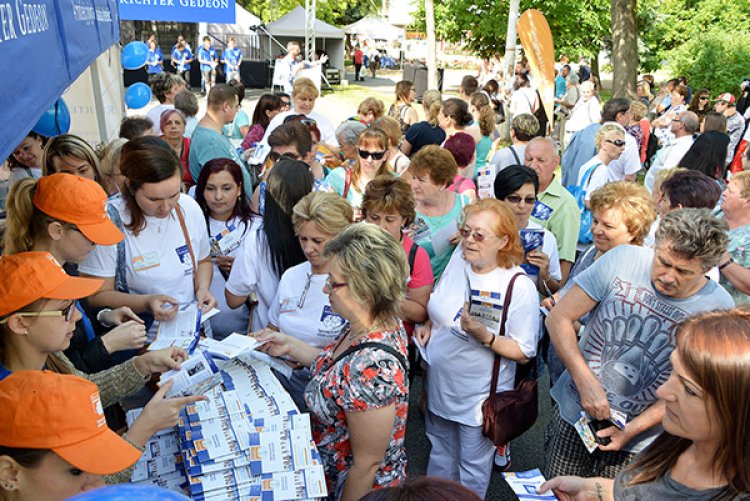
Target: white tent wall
x,y
292,27
333,47
97,99
374,28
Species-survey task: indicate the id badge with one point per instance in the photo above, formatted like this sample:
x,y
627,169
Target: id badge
x,y
145,261
288,304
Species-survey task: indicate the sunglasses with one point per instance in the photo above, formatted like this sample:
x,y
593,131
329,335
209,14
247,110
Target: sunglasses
x,y
517,199
65,312
465,234
286,103
334,285
616,142
375,155
275,156
303,119
703,98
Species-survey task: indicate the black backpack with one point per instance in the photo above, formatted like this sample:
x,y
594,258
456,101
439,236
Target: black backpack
x,y
651,148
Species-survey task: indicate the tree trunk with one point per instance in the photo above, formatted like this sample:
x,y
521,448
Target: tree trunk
x,y
510,39
127,32
624,48
432,73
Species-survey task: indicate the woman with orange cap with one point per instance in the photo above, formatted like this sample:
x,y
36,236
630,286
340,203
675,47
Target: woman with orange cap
x,y
55,441
65,216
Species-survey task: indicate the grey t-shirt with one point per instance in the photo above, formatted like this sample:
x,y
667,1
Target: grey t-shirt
x,y
663,489
504,157
629,335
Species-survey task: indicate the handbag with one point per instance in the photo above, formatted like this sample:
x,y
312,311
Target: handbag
x,y
508,414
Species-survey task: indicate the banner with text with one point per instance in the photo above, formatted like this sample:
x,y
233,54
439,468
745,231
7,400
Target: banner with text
x,y
187,11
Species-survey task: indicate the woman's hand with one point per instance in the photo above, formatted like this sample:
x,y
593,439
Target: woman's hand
x,y
156,362
224,263
118,316
128,336
618,438
423,332
566,488
541,260
276,344
159,413
473,326
162,306
206,300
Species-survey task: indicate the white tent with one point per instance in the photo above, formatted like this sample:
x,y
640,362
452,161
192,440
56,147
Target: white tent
x,y
247,39
292,27
374,28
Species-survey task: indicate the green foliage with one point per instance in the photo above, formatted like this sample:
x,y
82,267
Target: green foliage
x,y
718,60
579,27
335,12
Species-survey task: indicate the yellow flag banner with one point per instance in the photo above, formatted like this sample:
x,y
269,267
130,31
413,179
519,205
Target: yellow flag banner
x,y
536,40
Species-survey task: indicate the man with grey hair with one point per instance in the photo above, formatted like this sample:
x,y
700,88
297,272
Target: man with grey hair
x,y
636,295
683,126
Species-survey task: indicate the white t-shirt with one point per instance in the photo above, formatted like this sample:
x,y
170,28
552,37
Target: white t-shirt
x,y
228,320
599,177
327,131
460,367
253,271
522,101
302,310
629,161
158,259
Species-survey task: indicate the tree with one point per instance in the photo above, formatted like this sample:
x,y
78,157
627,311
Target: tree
x,y
336,12
432,75
624,48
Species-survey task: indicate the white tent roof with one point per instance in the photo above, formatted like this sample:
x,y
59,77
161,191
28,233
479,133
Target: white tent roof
x,y
374,27
293,25
241,26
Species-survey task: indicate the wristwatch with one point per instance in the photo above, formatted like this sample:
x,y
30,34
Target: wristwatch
x,y
490,343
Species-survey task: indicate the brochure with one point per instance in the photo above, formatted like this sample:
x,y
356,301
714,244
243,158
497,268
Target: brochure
x,y
196,376
525,484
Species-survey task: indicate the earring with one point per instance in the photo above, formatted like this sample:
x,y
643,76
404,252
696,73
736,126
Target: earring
x,y
9,486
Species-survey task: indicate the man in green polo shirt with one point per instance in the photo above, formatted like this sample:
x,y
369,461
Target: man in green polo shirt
x,y
556,209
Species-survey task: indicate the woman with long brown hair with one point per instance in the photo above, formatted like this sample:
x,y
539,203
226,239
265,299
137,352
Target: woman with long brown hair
x,y
702,452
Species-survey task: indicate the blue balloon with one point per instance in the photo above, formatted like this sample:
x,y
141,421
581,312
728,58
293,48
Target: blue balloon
x,y
137,95
129,492
54,121
134,55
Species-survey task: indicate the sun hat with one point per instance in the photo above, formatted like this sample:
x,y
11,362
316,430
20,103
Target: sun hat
x,y
28,276
726,97
63,413
79,201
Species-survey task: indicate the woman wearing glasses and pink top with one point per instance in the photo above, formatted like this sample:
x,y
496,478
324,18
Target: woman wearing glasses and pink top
x,y
461,339
371,162
610,143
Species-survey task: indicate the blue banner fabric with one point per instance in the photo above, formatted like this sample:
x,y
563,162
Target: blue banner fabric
x,y
188,11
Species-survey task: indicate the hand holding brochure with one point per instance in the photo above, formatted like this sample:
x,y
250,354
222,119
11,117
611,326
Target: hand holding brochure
x,y
525,484
196,376
182,331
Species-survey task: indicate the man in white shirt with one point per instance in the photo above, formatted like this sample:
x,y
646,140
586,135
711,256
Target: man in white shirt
x,y
684,126
628,164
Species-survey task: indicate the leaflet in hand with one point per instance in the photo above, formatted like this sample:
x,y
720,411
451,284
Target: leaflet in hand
x,y
531,239
182,331
486,307
225,241
525,484
232,345
196,376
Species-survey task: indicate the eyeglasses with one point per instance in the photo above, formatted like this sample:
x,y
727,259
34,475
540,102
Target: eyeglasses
x,y
286,104
275,156
616,142
375,155
517,199
334,285
65,312
478,237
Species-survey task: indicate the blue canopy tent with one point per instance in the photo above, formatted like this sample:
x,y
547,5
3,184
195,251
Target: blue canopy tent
x,y
44,47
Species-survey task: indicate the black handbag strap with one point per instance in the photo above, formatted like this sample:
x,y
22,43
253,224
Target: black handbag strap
x,y
503,320
372,344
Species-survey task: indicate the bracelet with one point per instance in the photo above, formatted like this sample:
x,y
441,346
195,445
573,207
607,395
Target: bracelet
x,y
727,263
490,343
99,317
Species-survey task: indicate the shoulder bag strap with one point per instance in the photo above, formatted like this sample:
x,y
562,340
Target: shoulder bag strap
x,y
372,344
587,175
121,284
504,318
185,234
515,155
412,256
347,182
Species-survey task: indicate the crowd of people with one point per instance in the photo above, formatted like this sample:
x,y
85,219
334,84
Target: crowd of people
x,y
383,248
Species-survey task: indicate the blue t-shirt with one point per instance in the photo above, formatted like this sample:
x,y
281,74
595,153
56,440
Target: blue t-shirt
x,y
232,58
154,56
629,335
207,144
559,86
206,55
179,56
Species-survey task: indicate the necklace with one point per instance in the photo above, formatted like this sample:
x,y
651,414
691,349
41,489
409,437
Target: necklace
x,y
353,335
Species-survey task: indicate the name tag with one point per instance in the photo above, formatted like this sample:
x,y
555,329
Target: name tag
x,y
288,304
146,261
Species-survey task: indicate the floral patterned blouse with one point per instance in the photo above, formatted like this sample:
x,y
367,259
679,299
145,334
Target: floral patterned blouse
x,y
371,378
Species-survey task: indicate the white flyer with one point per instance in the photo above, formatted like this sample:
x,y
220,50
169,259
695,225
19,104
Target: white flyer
x,y
182,331
196,376
233,345
525,484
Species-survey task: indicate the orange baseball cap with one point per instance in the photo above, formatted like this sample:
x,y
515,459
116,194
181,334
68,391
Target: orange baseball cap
x,y
28,276
79,201
47,410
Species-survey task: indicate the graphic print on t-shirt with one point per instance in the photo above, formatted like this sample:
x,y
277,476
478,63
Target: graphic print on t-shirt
x,y
183,252
628,344
331,323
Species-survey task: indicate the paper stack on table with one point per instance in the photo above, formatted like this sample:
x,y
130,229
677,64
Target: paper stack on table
x,y
246,441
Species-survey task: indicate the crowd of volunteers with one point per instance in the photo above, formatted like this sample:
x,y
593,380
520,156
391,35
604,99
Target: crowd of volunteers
x,y
603,247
